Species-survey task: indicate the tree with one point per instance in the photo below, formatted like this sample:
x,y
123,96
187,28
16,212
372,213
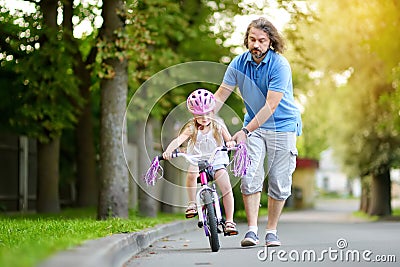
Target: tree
x,y
85,154
113,200
44,94
75,61
353,73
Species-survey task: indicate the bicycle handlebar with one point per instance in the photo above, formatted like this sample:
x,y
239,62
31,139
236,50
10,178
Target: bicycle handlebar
x,y
192,158
241,161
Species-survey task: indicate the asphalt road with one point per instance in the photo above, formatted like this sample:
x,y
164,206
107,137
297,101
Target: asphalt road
x,y
327,235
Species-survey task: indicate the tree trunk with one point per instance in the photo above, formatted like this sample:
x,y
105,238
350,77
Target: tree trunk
x,y
171,172
113,199
148,205
114,190
365,194
48,176
49,9
381,194
48,153
87,182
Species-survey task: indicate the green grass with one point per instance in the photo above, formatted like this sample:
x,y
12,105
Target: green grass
x,y
26,240
396,212
363,215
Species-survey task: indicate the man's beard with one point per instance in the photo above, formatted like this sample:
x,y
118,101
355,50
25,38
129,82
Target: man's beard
x,y
258,55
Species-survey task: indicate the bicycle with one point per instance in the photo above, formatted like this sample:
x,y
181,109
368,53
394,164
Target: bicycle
x,y
207,199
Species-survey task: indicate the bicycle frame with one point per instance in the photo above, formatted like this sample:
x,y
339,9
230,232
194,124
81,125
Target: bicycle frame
x,y
203,165
204,180
207,200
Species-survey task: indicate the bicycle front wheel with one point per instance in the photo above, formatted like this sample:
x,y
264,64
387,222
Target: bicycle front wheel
x,y
211,221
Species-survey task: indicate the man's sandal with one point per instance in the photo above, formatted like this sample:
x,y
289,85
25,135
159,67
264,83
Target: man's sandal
x,y
230,228
191,210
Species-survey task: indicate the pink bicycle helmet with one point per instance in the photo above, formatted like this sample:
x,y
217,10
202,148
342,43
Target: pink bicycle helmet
x,y
201,102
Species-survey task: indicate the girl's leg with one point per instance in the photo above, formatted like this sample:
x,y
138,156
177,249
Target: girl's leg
x,y
191,186
222,180
191,183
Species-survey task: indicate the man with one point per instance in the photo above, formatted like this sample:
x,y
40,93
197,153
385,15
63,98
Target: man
x,y
271,124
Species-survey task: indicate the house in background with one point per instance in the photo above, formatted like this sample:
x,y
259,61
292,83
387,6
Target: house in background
x,y
395,178
303,185
331,180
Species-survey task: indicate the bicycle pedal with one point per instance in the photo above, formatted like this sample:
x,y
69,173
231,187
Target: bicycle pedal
x,y
189,216
231,233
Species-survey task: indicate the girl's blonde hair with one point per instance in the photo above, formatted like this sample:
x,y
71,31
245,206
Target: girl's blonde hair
x,y
194,127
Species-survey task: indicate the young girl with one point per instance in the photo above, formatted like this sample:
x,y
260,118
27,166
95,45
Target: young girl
x,y
205,134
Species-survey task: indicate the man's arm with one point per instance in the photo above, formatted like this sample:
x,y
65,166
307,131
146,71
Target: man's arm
x,y
222,94
272,102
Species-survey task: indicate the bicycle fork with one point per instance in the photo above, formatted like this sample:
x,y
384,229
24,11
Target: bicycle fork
x,y
201,203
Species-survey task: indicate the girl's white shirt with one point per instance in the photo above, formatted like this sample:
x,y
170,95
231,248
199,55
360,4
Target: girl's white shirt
x,y
205,145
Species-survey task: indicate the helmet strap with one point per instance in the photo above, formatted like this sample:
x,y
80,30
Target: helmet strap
x,y
201,127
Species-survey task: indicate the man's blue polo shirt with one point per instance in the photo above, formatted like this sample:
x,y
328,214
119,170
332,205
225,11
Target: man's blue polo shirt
x,y
254,81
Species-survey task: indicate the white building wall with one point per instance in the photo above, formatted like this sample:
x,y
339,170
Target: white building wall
x,y
331,179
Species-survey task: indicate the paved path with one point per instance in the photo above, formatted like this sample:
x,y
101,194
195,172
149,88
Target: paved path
x,y
325,236
326,210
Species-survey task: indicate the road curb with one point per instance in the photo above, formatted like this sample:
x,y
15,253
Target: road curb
x,y
114,250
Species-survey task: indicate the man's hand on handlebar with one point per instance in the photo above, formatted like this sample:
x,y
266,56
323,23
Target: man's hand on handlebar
x,y
231,143
239,136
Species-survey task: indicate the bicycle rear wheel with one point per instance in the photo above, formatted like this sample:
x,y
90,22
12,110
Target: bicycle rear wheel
x,y
211,221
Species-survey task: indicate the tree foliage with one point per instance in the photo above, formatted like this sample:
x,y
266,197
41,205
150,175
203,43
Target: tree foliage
x,y
177,32
353,95
45,86
354,54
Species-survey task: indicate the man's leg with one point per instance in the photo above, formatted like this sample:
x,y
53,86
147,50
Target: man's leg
x,y
281,165
274,212
252,185
251,206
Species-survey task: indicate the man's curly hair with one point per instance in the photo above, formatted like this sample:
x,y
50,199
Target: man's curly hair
x,y
277,42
